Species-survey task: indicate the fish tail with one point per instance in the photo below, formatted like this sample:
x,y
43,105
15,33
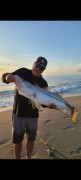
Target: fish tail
x,y
74,115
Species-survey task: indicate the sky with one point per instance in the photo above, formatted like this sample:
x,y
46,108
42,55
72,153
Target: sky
x,y
22,42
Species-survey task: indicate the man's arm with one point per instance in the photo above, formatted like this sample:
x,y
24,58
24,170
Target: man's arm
x,y
7,78
3,78
10,78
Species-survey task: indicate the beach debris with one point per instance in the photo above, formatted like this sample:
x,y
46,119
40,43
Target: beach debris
x,y
52,152
42,96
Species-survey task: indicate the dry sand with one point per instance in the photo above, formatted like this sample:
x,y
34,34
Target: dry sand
x,y
53,127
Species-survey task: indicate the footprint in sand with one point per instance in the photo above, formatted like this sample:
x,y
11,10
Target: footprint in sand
x,y
76,151
4,141
35,156
66,117
48,120
68,128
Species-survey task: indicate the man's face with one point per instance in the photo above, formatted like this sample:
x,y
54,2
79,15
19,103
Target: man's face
x,y
37,69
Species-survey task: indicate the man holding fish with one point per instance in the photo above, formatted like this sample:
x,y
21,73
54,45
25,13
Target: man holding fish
x,y
25,117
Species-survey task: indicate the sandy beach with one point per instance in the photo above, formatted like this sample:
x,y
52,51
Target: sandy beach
x,y
53,128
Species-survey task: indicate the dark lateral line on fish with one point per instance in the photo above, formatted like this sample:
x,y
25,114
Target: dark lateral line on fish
x,y
55,98
38,88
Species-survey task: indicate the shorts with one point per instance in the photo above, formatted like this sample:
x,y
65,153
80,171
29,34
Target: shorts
x,y
23,125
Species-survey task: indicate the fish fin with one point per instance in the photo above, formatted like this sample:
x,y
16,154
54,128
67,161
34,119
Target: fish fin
x,y
60,94
49,88
67,113
36,105
74,115
33,104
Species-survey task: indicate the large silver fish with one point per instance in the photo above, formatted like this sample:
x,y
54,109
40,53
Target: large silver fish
x,y
41,96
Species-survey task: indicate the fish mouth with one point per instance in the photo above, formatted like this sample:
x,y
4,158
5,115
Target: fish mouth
x,y
74,115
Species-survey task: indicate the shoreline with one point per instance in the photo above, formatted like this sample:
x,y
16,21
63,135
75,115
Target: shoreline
x,y
10,107
6,108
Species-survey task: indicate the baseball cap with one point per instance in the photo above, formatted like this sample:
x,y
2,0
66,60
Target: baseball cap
x,y
42,61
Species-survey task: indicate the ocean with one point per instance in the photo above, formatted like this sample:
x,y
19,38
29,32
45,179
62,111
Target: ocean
x,y
68,85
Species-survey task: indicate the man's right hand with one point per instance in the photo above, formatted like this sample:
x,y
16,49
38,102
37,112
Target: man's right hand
x,y
10,78
52,106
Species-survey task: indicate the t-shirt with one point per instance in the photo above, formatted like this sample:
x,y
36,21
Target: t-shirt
x,y
22,106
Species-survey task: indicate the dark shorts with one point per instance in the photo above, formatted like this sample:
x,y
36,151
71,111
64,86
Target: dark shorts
x,y
24,125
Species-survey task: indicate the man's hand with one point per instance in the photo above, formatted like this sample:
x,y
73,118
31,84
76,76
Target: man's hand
x,y
10,78
52,106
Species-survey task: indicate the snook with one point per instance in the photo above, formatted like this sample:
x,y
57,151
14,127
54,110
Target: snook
x,y
42,96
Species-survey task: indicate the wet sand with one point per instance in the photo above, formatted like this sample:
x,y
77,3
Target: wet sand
x,y
53,128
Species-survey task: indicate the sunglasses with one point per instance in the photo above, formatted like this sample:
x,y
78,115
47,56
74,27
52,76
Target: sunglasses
x,y
39,66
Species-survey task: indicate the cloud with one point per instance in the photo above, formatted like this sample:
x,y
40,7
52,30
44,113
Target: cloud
x,y
78,68
54,71
4,69
1,69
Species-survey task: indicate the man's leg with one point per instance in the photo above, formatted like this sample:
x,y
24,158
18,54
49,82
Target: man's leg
x,y
31,130
18,130
18,149
29,148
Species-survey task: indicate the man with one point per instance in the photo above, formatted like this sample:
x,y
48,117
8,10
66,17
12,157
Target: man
x,y
24,117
